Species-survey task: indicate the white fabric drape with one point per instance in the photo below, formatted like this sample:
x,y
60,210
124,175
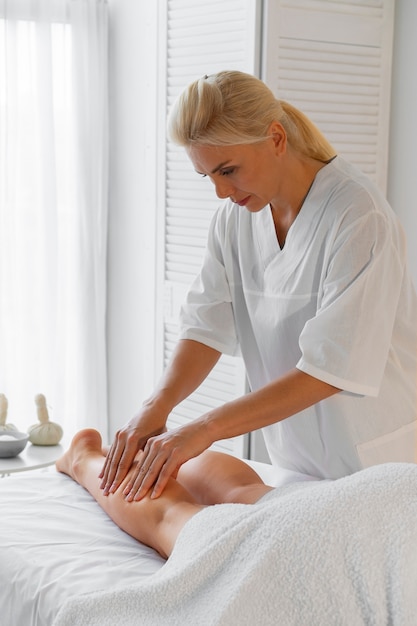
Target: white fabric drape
x,y
53,209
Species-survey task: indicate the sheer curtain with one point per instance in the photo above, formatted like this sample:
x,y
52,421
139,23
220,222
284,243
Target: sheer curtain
x,y
53,209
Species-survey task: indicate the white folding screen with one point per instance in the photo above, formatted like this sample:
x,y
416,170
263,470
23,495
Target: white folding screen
x,y
201,38
331,58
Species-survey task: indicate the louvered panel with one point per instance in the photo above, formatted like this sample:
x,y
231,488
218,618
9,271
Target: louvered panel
x,y
194,202
299,49
214,32
319,87
332,60
181,213
225,382
183,277
358,7
224,378
190,204
202,38
190,199
183,235
177,260
194,187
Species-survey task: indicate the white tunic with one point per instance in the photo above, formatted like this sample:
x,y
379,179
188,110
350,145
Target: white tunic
x,y
336,302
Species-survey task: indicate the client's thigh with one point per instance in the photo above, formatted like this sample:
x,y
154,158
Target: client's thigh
x,y
215,478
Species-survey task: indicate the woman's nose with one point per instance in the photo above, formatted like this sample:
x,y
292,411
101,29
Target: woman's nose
x,y
224,189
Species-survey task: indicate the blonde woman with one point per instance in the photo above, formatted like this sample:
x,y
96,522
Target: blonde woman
x,y
305,275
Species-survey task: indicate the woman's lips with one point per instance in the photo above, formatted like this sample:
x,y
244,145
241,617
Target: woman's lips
x,y
243,202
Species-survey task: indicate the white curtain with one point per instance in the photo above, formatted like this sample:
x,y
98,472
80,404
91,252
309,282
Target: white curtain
x,y
53,209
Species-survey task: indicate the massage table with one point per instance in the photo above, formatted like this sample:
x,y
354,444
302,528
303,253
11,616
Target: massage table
x,y
313,553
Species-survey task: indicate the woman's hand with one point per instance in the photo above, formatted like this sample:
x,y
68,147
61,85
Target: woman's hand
x,y
126,444
162,458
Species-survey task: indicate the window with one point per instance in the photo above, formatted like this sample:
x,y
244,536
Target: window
x,y
53,209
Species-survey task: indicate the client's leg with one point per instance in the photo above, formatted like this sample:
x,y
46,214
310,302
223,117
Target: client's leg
x,y
156,523
216,478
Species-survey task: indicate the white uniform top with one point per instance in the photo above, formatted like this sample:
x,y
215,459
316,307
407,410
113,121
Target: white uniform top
x,y
336,302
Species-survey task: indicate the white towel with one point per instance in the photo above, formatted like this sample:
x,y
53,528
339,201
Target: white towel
x,y
331,553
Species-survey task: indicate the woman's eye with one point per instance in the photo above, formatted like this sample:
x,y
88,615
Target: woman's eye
x,y
230,170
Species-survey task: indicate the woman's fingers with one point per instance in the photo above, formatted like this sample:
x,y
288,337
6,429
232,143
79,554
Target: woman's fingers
x,y
164,475
117,464
156,465
104,474
152,467
162,458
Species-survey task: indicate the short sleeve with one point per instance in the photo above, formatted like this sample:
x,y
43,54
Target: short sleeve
x,y
207,314
347,342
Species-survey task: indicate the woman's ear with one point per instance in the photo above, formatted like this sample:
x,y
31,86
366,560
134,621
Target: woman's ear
x,y
279,136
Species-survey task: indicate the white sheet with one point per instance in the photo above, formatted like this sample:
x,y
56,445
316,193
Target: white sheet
x,y
56,543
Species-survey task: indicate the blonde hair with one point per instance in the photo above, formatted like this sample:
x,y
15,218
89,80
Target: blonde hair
x,y
232,108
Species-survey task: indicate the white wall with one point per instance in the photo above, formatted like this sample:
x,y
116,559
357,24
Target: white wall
x,y
131,286
402,179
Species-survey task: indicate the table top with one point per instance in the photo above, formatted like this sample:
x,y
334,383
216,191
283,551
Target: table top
x,y
31,458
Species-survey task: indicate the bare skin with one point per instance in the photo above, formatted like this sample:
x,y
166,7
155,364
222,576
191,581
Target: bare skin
x,y
212,478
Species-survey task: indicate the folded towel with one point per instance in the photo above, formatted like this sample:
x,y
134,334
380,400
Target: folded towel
x,y
327,553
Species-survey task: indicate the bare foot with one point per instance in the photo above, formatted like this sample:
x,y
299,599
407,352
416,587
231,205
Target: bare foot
x,y
85,443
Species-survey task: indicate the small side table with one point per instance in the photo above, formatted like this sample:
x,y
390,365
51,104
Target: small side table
x,y
31,458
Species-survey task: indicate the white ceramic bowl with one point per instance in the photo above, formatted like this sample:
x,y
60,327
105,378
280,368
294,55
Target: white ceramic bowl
x,y
12,442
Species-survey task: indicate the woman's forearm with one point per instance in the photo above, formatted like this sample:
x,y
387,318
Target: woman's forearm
x,y
190,364
276,401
